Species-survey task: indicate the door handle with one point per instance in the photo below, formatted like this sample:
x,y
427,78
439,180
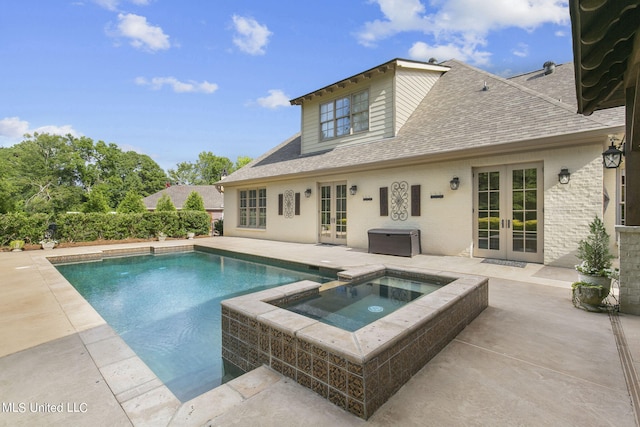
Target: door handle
x,y
502,223
508,223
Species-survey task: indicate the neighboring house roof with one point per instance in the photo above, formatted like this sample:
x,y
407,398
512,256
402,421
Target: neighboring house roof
x,y
456,118
178,193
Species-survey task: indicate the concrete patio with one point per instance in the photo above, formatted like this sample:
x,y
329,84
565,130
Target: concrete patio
x,y
530,358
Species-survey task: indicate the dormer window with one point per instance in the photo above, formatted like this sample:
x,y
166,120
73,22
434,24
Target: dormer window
x,y
344,116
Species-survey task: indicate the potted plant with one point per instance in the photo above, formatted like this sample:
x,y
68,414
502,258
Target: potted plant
x,y
16,245
190,235
48,243
588,296
594,271
161,236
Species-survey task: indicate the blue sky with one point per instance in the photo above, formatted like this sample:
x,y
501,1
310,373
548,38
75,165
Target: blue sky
x,y
171,79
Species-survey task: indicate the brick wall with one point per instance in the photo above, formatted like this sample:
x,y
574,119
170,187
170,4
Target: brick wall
x,y
629,269
568,210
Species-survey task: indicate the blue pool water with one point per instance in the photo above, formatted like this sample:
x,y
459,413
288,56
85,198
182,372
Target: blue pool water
x,y
167,308
350,307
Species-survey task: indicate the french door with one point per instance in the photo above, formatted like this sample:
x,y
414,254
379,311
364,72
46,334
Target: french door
x,y
508,212
333,213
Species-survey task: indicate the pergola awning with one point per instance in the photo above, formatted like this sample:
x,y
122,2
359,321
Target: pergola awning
x,y
604,33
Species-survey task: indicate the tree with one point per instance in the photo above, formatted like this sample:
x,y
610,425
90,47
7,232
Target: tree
x,y
132,203
205,171
52,173
165,204
97,202
194,202
241,161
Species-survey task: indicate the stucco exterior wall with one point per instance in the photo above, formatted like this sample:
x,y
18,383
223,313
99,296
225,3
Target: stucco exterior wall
x,y
446,223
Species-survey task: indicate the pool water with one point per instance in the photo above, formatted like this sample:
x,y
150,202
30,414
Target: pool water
x,y
167,308
350,307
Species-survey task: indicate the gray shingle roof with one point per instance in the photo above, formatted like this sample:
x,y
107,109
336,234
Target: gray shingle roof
x,y
178,193
456,116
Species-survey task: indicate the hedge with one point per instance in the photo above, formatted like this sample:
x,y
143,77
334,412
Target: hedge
x,y
86,227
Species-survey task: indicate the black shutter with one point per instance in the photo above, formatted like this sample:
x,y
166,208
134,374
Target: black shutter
x,y
384,201
297,207
280,203
415,200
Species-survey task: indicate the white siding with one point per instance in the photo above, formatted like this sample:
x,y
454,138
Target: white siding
x,y
411,88
380,115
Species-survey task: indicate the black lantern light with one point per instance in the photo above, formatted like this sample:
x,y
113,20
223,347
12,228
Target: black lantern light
x,y
613,156
564,176
454,183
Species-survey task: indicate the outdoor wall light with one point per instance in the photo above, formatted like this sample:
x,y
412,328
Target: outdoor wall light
x,y
307,193
219,186
454,183
564,176
353,190
613,156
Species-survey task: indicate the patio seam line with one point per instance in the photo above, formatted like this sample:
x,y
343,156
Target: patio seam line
x,y
628,368
537,365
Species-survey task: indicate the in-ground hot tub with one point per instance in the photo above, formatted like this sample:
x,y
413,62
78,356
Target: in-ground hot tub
x,y
358,370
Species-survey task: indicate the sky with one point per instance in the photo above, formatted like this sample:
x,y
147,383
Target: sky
x,y
171,79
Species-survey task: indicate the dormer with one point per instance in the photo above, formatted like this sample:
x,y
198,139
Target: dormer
x,y
366,107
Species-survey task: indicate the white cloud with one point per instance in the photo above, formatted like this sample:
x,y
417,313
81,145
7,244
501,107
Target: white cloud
x,y
13,129
113,4
421,51
464,24
275,99
522,50
251,37
142,35
156,83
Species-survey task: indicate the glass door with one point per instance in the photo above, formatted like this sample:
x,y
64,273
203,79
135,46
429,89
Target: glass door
x,y
333,213
508,212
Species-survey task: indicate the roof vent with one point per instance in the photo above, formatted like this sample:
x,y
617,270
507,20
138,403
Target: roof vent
x,y
485,87
549,67
433,60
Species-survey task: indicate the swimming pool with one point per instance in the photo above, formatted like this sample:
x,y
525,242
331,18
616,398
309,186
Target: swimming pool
x,y
167,308
352,306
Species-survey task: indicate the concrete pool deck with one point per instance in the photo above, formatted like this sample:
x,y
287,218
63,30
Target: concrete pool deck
x,y
530,358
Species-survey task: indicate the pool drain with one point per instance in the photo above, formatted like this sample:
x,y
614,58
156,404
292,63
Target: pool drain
x,y
375,309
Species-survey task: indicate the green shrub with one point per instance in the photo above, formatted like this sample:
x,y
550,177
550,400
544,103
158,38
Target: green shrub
x,y
21,226
88,227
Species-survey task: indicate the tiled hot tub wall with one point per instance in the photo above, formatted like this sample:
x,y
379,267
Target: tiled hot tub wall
x,y
357,371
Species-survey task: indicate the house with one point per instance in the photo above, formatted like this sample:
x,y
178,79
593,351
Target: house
x,y
606,51
212,198
481,165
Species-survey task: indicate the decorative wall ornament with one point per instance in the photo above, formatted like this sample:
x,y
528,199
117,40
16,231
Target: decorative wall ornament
x,y
399,201
289,204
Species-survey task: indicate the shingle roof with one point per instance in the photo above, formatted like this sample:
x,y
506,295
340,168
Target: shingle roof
x,y
456,116
178,193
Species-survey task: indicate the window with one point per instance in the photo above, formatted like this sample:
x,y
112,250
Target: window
x,y
253,208
344,116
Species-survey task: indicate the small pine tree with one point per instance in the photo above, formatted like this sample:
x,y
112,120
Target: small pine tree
x,y
97,202
132,203
165,204
194,202
594,250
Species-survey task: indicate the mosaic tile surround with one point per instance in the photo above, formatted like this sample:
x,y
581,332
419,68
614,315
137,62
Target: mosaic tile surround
x,y
357,371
